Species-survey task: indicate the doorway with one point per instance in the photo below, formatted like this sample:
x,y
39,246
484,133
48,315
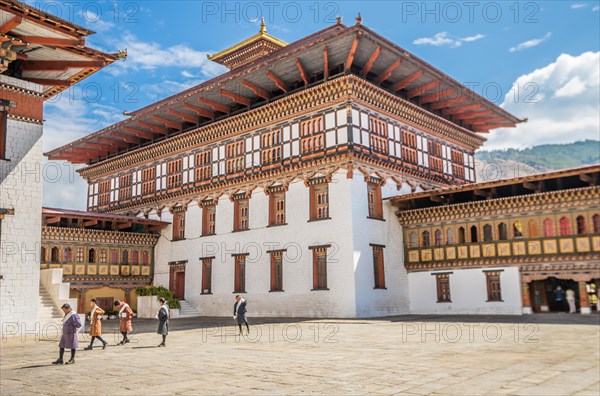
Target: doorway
x,y
177,279
549,295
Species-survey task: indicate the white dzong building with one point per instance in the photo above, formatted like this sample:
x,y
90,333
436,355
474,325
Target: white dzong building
x,y
274,175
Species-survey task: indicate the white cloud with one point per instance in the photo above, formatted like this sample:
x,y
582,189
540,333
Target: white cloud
x,y
444,39
279,29
69,120
573,88
169,87
564,108
578,5
66,121
94,21
439,39
530,43
150,56
63,187
596,8
473,38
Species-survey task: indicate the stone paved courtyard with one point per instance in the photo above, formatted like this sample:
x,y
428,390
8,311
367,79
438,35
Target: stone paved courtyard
x,y
538,355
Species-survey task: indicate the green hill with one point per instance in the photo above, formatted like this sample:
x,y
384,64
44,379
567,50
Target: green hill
x,y
547,157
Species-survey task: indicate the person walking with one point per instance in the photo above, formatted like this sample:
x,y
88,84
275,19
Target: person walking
x,y
68,340
163,321
239,313
571,300
95,325
125,315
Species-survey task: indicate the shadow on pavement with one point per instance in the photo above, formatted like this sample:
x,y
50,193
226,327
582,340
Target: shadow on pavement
x,y
179,324
549,318
35,366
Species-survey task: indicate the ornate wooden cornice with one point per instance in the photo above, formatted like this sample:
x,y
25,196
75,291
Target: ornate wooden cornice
x,y
425,180
584,197
21,90
575,271
326,165
560,266
25,119
230,187
363,92
561,261
289,107
345,89
69,235
86,282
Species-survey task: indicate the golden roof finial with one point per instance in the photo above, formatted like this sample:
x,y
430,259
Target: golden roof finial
x,y
122,54
263,27
358,19
339,20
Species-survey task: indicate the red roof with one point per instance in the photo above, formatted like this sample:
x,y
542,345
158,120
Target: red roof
x,y
292,68
47,50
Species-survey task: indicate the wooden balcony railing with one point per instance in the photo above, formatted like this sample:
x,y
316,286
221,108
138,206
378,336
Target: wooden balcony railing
x,y
98,269
514,248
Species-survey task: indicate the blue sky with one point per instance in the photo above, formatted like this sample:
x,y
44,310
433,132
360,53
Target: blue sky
x,y
550,49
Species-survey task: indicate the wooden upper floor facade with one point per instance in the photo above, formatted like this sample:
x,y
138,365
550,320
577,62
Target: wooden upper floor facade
x,y
347,134
549,218
244,120
94,248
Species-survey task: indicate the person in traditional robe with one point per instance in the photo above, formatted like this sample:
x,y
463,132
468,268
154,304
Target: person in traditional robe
x,y
125,315
239,313
571,300
95,325
68,340
163,321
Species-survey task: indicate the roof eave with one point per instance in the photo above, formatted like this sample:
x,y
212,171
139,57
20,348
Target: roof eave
x,y
430,67
26,9
497,183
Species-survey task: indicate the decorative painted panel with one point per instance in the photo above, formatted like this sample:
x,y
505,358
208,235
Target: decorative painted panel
x,y
519,248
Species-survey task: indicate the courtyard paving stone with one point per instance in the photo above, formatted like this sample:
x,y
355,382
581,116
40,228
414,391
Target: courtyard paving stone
x,y
355,357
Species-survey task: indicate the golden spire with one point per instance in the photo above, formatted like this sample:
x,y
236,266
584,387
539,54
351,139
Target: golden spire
x,y
339,19
359,19
226,56
263,27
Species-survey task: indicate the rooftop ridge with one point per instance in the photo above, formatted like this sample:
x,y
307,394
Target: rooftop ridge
x,y
262,35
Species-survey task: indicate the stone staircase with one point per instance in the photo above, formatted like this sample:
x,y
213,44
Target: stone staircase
x,y
53,294
187,310
47,310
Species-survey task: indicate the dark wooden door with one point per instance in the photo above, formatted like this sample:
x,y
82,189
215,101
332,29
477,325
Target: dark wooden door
x,y
180,285
172,275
